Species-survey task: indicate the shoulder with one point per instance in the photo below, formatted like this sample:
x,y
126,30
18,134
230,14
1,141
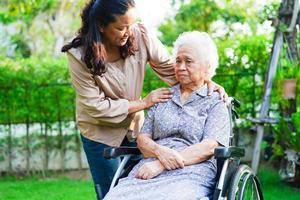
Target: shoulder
x,y
76,63
141,32
77,53
139,28
216,103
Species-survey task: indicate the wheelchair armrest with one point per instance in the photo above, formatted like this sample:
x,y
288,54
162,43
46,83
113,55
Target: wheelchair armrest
x,y
229,152
114,152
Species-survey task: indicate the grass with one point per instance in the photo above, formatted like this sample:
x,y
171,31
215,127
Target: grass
x,y
274,189
65,188
45,189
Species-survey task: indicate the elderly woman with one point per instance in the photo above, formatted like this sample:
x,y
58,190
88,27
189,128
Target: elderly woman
x,y
179,136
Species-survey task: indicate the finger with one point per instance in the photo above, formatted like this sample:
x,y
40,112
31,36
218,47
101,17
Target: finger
x,y
172,166
169,92
163,162
138,175
167,166
164,90
226,100
165,96
222,93
210,87
162,100
180,163
145,175
176,165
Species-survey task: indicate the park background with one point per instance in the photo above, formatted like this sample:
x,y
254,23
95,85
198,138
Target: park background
x,y
40,151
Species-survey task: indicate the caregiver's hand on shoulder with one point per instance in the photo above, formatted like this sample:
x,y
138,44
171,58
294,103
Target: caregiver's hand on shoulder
x,y
169,158
157,96
212,86
150,170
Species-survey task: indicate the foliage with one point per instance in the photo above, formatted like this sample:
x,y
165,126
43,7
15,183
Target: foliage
x,y
14,10
202,14
33,89
37,27
287,135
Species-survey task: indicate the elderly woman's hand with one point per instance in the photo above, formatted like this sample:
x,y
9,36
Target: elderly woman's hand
x,y
169,158
212,86
150,170
157,96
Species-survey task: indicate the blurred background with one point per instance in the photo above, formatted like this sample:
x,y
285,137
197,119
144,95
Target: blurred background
x,y
40,151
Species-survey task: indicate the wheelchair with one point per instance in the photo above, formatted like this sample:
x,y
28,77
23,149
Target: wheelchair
x,y
234,180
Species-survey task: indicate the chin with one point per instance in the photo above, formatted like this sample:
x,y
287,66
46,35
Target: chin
x,y
122,43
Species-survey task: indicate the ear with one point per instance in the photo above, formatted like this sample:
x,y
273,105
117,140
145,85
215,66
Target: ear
x,y
208,69
101,29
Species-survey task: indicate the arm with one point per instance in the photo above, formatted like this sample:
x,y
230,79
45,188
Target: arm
x,y
216,133
156,96
98,105
199,152
146,145
92,99
192,155
158,57
168,157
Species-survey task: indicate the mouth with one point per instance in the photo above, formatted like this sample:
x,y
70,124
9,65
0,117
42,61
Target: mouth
x,y
124,39
182,75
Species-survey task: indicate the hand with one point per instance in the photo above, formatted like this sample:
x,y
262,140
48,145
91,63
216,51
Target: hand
x,y
212,86
169,158
150,170
157,96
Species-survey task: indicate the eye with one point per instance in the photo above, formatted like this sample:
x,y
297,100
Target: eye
x,y
121,28
188,61
177,61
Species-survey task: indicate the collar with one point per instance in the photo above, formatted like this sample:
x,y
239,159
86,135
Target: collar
x,y
202,91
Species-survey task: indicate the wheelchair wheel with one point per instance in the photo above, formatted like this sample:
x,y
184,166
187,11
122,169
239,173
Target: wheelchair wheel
x,y
244,185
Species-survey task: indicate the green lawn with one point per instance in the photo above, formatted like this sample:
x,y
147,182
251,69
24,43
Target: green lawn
x,y
46,189
64,188
274,189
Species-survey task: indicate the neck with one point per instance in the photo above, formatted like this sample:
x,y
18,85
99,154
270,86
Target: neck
x,y
189,88
112,52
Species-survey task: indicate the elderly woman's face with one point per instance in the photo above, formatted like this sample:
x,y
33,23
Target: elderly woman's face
x,y
188,68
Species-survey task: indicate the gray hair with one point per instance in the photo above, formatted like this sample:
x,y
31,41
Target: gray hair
x,y
205,47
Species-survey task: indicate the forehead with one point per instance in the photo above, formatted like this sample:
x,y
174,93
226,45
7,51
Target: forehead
x,y
127,19
187,50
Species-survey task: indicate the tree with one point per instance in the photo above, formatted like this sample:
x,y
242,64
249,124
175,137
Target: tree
x,y
41,26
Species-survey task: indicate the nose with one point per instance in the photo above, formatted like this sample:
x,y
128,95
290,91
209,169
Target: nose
x,y
128,31
181,66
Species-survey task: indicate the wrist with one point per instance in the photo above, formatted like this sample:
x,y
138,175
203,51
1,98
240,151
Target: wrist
x,y
144,103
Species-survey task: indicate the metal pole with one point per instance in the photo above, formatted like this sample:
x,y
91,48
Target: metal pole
x,y
266,99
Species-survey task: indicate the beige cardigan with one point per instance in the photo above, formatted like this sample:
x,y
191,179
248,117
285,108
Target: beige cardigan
x,y
102,102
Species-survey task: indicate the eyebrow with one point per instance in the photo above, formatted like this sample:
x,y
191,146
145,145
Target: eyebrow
x,y
186,57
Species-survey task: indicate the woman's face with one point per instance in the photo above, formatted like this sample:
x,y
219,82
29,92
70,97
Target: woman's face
x,y
118,32
188,68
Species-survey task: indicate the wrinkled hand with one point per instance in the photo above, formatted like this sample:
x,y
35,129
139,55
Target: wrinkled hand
x,y
212,86
150,170
169,158
157,96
